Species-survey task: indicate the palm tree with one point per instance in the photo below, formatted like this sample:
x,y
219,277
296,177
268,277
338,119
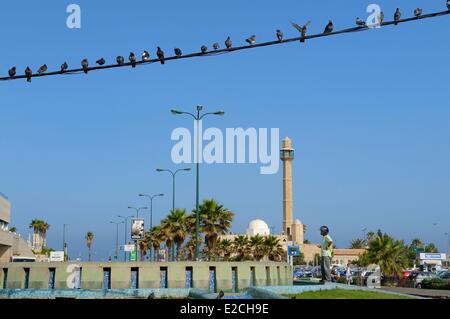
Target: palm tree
x,y
370,236
358,243
416,242
143,247
39,234
177,227
388,253
241,247
44,227
215,220
273,249
167,237
89,241
431,248
257,247
156,238
224,248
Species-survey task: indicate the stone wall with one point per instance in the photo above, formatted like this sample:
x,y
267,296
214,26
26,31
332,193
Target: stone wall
x,y
92,274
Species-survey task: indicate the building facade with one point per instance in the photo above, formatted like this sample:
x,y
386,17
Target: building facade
x,y
11,243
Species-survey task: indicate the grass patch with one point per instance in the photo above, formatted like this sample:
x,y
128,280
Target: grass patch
x,y
345,294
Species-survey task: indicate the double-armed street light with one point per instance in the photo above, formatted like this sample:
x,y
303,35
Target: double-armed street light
x,y
137,210
151,197
197,117
173,173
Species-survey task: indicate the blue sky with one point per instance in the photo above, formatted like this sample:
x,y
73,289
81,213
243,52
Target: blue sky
x,y
368,114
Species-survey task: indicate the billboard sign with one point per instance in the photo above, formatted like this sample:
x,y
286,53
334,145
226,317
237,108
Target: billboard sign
x,y
137,229
57,256
432,256
128,248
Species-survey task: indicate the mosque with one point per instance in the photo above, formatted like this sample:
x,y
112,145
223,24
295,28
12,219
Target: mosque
x,y
293,231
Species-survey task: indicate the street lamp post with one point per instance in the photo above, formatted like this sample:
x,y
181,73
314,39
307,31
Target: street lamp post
x,y
151,197
64,242
173,180
117,238
125,220
197,117
137,210
173,193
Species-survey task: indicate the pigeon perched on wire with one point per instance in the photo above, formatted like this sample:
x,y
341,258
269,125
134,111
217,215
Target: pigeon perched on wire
x,y
329,27
381,18
279,35
120,60
397,16
204,49
418,12
251,40
101,61
216,46
42,69
177,52
12,72
160,54
301,29
85,65
448,4
360,22
145,56
28,73
228,43
132,59
64,67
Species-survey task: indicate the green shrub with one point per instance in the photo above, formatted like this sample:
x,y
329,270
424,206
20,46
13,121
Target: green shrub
x,y
435,283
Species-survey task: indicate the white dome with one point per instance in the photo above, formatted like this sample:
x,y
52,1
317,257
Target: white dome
x,y
258,227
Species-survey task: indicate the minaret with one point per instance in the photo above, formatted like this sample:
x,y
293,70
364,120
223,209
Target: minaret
x,y
287,155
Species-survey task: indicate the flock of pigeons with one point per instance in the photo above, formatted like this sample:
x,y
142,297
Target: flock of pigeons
x,y
204,49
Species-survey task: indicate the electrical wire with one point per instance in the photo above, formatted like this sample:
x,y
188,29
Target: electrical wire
x,y
229,50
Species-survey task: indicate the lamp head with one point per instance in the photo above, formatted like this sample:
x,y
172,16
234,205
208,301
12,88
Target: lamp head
x,y
199,107
175,112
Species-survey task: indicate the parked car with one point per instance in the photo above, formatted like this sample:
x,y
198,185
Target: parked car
x,y
445,276
415,279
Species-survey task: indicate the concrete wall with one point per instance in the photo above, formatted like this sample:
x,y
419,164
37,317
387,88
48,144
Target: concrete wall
x,y
265,273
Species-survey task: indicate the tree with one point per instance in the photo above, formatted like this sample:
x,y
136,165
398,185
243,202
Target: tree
x,y
215,220
417,243
143,247
358,243
89,241
388,253
224,249
370,236
156,237
177,227
273,249
241,247
257,246
431,248
40,228
13,229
